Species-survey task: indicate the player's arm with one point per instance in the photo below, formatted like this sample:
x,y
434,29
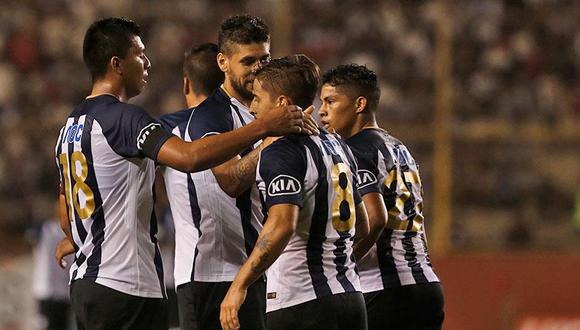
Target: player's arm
x,y
237,175
377,215
213,150
277,231
65,246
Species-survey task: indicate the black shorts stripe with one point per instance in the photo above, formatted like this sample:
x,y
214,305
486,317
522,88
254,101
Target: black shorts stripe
x,y
314,249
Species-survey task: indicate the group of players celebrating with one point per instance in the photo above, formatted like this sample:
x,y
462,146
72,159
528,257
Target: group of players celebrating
x,y
279,223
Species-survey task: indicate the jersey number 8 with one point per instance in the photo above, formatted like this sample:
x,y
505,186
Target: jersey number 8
x,y
78,163
343,215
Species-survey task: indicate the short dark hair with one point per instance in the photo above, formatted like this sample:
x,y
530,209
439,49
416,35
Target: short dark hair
x,y
242,29
201,68
296,76
106,38
355,80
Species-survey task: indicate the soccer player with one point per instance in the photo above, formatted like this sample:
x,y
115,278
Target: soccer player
x,y
106,155
225,214
401,288
311,211
201,76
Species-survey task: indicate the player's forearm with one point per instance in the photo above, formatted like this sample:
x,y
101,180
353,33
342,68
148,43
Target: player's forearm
x,y
362,241
241,176
209,151
376,214
272,240
363,245
63,218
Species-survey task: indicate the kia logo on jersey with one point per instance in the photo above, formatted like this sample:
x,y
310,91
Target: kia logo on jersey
x,y
365,178
284,185
145,133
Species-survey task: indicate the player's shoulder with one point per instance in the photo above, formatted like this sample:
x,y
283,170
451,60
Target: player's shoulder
x,y
171,120
288,148
215,104
107,108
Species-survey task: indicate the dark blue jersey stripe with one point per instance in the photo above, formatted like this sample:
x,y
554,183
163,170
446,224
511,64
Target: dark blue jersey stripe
x,y
195,215
426,250
389,274
98,225
244,204
340,261
157,258
411,257
314,250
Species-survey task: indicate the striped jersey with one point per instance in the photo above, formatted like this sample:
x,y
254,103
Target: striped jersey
x,y
177,185
400,256
105,156
317,173
227,227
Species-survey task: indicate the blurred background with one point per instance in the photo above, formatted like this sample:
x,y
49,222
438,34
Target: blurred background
x,y
485,94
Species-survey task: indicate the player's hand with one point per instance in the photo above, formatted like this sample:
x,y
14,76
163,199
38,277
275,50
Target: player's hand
x,y
311,128
284,120
63,249
230,307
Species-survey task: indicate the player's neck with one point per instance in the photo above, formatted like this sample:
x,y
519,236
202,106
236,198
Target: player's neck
x,y
106,87
229,89
362,123
193,100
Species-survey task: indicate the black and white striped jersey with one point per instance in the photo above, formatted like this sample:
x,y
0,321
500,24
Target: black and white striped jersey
x,y
177,185
105,156
317,173
227,227
400,256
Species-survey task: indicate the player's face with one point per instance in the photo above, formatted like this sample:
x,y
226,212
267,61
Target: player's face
x,y
338,110
243,61
262,100
134,68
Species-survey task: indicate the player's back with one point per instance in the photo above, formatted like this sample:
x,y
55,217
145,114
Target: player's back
x,y
185,216
400,256
108,186
315,173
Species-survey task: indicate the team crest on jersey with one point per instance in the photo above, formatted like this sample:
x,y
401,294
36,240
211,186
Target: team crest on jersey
x,y
284,185
365,178
145,133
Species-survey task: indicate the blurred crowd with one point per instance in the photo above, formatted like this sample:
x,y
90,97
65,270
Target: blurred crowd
x,y
514,63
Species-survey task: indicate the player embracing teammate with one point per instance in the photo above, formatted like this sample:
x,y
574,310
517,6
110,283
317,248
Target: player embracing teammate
x,y
289,208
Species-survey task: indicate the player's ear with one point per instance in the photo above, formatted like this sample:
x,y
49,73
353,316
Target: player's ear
x,y
186,87
360,104
223,62
283,100
115,64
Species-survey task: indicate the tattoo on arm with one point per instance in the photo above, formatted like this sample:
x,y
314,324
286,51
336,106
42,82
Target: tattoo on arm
x,y
263,247
244,172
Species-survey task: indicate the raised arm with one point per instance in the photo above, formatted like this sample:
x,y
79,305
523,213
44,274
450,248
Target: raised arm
x,y
239,174
277,231
213,150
